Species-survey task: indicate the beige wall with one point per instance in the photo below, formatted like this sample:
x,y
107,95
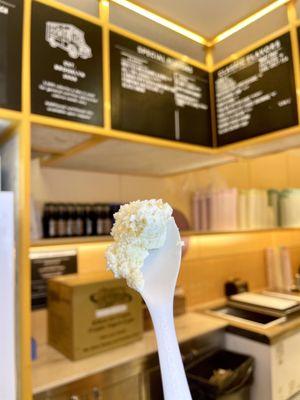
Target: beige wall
x,y
213,259
210,261
276,171
62,185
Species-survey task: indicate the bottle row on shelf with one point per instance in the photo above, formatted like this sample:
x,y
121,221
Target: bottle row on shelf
x,y
234,209
61,220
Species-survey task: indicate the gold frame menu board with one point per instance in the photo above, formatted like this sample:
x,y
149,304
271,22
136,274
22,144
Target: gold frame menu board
x,y
158,95
11,25
256,94
148,90
68,84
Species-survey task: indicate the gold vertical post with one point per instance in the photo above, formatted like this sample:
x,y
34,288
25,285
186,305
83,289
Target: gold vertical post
x,y
292,18
104,17
209,61
209,58
24,275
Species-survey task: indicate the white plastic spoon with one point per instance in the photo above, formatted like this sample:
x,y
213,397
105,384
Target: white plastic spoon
x,y
160,272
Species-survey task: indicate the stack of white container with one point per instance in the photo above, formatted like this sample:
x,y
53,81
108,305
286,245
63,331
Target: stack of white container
x,y
290,208
279,268
251,209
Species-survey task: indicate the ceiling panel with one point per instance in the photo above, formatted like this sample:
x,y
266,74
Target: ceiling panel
x,y
117,156
208,17
252,33
141,26
88,6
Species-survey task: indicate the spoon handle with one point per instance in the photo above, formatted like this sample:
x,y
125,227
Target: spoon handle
x,y
174,380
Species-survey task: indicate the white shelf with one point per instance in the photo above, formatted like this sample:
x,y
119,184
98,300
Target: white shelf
x,y
270,146
61,148
116,156
142,155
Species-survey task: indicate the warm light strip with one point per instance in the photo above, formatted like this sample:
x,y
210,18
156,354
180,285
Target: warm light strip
x,y
249,20
162,21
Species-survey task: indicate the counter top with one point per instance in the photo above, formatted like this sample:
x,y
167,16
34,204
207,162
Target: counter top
x,y
271,334
52,369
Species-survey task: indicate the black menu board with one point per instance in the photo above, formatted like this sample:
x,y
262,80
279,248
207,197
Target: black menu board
x,y
156,95
11,25
47,265
66,66
256,93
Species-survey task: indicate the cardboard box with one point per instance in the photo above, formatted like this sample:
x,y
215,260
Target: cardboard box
x,y
87,315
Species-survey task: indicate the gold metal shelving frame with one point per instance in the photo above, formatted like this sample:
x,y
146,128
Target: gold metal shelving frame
x,y
20,124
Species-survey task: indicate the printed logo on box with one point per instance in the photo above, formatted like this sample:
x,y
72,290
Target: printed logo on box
x,y
108,297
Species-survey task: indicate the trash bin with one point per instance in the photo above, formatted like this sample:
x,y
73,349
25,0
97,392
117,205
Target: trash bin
x,y
222,375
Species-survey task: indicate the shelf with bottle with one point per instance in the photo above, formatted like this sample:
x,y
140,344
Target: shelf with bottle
x,y
71,221
70,241
184,234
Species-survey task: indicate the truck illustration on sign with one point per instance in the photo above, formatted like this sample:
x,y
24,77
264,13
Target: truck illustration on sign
x,y
68,38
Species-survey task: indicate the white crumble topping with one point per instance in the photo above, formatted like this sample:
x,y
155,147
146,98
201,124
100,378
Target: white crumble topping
x,y
139,226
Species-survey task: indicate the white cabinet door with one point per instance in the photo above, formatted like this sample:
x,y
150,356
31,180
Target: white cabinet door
x,y
262,384
286,367
276,368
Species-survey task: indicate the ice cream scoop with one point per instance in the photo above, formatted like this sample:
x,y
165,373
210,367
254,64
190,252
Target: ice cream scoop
x,y
159,272
139,226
